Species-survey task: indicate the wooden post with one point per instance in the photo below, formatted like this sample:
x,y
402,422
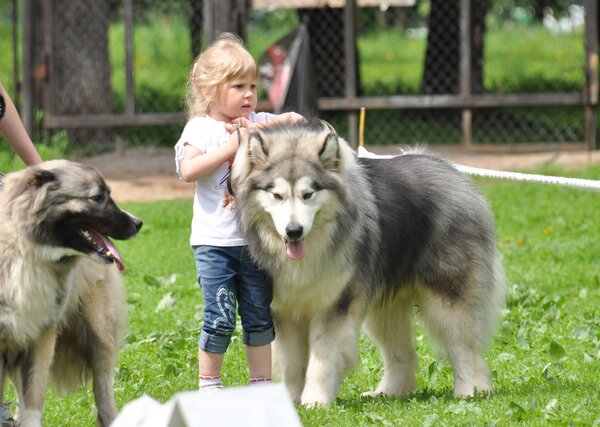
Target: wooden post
x,y
28,108
49,84
465,70
350,71
225,16
591,72
129,53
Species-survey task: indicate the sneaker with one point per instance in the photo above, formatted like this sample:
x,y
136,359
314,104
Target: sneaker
x,y
211,388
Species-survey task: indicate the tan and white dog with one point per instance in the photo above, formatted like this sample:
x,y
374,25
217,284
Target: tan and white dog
x,y
62,305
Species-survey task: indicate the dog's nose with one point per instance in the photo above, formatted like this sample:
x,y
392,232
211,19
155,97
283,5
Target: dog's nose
x,y
294,231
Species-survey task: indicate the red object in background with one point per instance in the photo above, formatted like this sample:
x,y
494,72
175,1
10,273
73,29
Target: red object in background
x,y
278,75
287,76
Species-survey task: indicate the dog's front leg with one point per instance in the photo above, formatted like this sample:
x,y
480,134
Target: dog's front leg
x,y
102,371
291,353
35,371
333,351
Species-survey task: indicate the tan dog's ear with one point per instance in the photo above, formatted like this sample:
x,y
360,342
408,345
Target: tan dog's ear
x,y
28,188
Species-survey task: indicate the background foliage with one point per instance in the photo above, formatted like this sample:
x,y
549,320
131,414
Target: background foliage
x,y
521,56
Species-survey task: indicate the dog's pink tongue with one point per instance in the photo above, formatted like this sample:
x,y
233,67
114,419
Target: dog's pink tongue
x,y
115,254
295,249
108,245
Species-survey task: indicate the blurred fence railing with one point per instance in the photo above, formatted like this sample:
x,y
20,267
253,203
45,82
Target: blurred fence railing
x,y
427,71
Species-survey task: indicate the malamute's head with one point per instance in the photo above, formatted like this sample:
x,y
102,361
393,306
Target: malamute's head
x,y
66,208
289,184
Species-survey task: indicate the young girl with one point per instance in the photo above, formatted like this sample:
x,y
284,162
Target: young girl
x,y
222,96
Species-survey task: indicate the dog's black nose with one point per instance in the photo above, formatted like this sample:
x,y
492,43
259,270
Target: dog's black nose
x,y
138,223
294,231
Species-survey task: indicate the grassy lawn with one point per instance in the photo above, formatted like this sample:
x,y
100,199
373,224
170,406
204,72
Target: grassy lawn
x,y
545,359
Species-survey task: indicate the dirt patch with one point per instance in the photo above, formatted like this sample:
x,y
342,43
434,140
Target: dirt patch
x,y
141,175
148,174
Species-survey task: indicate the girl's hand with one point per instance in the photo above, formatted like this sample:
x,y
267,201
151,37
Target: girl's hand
x,y
240,122
290,117
244,123
237,136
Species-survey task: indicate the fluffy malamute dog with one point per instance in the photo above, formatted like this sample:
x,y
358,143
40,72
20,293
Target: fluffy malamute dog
x,y
62,307
353,241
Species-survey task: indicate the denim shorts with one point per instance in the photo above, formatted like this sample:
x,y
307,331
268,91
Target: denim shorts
x,y
228,276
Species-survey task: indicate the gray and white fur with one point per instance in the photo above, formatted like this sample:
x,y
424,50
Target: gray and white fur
x,y
354,242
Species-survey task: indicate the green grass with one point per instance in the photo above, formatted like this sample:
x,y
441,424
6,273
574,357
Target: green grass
x,y
545,358
530,59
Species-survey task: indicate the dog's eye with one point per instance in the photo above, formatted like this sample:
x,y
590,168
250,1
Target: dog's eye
x,y
307,196
98,198
277,196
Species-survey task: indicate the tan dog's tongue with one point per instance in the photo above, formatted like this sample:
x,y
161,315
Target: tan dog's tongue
x,y
295,249
105,243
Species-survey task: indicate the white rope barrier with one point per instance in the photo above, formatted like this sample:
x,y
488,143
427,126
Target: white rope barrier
x,y
588,184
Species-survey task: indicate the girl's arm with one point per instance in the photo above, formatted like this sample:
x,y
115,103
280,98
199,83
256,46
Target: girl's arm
x,y
195,164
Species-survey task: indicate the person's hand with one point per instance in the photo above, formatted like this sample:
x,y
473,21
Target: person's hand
x,y
235,139
290,117
240,122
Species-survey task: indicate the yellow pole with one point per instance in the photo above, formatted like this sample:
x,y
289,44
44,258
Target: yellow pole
x,y
361,128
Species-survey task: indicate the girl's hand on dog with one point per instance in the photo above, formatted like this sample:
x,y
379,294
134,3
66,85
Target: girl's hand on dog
x,y
244,123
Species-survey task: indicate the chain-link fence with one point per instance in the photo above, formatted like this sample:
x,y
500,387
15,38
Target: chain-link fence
x,y
124,65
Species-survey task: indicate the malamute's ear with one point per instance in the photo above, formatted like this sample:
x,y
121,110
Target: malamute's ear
x,y
329,152
251,152
327,127
335,153
258,151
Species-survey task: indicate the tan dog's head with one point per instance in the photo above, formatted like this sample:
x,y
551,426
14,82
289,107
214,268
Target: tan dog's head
x,y
66,207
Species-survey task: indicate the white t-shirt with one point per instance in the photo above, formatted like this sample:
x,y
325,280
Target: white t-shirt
x,y
212,224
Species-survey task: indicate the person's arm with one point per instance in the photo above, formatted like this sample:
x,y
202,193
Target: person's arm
x,y
13,130
195,164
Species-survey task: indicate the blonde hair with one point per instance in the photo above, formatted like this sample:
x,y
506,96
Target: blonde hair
x,y
223,60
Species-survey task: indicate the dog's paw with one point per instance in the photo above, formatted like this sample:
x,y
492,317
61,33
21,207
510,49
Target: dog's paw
x,y
316,399
465,393
475,387
373,393
314,405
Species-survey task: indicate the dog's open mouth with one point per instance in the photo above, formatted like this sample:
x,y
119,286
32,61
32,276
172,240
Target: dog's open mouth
x,y
294,249
103,246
